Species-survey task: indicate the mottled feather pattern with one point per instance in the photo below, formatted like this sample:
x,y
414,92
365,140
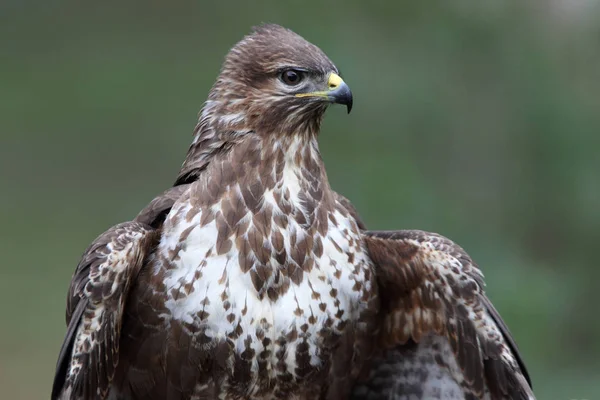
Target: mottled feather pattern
x,y
251,278
424,370
431,289
97,297
256,255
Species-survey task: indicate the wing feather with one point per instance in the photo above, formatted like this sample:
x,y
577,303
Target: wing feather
x,y
429,286
96,300
95,306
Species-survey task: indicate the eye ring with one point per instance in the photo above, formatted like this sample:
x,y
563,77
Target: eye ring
x,y
291,77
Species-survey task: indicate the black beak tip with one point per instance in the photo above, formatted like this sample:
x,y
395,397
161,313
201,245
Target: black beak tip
x,y
342,95
345,98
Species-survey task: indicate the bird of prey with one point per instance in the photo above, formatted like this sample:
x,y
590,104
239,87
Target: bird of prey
x,y
251,278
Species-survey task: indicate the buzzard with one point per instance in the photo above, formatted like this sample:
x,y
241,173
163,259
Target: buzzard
x,y
252,278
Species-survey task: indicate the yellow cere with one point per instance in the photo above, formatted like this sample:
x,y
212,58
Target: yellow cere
x,y
334,81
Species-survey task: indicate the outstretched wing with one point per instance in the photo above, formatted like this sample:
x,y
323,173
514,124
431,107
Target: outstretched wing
x,y
439,332
97,297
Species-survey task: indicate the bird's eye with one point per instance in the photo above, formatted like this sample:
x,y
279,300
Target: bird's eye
x,y
291,77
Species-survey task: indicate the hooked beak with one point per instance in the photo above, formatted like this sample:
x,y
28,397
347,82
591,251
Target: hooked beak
x,y
337,92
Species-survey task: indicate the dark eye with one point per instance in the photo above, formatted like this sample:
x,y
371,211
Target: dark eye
x,y
291,77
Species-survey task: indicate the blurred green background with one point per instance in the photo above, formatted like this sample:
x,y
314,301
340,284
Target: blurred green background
x,y
475,119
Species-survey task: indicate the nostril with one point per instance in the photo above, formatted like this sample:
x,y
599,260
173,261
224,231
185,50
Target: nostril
x,y
334,81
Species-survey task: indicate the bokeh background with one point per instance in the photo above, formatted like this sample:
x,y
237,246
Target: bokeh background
x,y
475,119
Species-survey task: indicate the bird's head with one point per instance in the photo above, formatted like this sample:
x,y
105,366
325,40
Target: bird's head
x,y
274,81
273,85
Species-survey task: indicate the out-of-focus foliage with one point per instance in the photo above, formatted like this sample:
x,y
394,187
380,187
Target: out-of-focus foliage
x,y
475,119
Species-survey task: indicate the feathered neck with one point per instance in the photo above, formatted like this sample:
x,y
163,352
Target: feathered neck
x,y
225,122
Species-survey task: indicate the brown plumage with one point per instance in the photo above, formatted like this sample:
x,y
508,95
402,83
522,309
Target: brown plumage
x,y
251,278
434,311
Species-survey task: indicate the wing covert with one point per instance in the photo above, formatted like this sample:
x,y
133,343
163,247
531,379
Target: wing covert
x,y
97,297
430,286
95,305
